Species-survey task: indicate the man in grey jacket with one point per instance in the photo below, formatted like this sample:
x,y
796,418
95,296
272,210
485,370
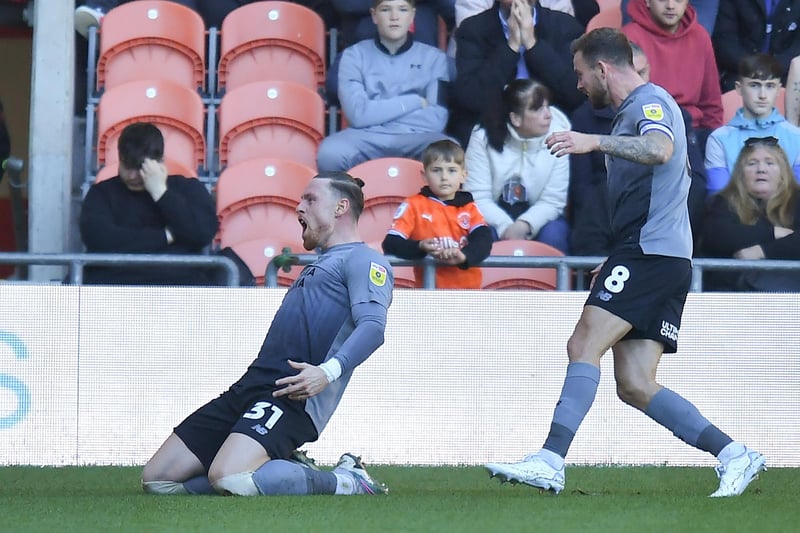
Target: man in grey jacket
x,y
392,91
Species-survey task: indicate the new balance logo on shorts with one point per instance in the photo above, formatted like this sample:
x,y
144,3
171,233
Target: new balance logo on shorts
x,y
604,296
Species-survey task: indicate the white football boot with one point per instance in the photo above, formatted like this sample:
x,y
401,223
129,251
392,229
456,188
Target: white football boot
x,y
532,470
736,474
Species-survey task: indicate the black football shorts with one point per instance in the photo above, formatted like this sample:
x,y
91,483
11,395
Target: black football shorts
x,y
648,291
280,425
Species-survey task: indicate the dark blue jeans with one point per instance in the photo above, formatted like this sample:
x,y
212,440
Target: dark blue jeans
x,y
555,233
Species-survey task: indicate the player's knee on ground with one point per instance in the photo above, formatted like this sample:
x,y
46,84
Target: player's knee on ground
x,y
151,473
163,487
239,484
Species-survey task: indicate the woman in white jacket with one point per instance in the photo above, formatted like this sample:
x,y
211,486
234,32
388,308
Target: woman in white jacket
x,y
519,186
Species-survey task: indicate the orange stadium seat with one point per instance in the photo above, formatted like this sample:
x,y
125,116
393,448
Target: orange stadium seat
x,y
521,278
272,40
609,4
173,167
403,277
176,110
607,18
258,197
257,254
152,39
387,182
271,119
732,101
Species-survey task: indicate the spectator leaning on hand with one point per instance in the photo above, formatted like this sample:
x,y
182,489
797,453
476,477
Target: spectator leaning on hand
x,y
145,211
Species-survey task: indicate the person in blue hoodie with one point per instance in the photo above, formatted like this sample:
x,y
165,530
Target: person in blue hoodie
x,y
759,84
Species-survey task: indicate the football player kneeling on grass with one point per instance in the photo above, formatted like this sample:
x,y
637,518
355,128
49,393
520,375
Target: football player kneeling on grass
x,y
332,318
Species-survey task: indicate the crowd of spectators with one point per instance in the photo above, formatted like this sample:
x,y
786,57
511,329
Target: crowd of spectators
x,y
509,81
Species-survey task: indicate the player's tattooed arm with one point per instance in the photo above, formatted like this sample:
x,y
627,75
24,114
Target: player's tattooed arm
x,y
652,148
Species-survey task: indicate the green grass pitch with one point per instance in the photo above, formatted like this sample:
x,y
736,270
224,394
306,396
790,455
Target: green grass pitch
x,y
460,500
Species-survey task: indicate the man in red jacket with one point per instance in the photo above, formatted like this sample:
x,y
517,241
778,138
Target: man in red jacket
x,y
681,58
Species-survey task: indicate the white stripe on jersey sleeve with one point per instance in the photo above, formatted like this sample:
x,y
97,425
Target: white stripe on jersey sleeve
x,y
655,126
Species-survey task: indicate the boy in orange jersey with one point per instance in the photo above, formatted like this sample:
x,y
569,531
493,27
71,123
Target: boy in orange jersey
x,y
442,221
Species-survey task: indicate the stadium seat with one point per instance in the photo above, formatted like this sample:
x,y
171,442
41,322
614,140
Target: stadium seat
x,y
173,168
732,101
152,39
609,4
403,277
523,277
606,18
257,253
271,119
176,110
387,182
258,197
272,40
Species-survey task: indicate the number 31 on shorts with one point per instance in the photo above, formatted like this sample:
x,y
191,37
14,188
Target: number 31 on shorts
x,y
259,410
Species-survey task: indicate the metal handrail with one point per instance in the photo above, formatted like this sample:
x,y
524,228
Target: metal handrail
x,y
77,262
563,265
706,263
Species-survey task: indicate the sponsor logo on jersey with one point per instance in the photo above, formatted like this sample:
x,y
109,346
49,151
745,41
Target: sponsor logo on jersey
x,y
400,210
377,274
427,216
463,219
448,242
653,111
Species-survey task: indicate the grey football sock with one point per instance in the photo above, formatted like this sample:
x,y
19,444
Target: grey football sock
x,y
199,485
680,416
280,477
577,397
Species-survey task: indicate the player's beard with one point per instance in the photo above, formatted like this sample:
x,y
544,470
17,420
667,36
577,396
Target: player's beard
x,y
316,237
599,98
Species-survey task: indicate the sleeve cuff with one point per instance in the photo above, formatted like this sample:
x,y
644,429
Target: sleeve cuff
x,y
332,368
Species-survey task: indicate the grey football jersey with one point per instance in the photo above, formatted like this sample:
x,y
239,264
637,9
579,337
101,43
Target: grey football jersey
x,y
315,319
647,203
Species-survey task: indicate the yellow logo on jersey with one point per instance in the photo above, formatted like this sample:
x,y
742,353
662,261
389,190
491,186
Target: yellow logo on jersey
x,y
377,274
653,111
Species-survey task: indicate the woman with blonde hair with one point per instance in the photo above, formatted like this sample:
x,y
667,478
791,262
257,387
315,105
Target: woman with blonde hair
x,y
756,216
